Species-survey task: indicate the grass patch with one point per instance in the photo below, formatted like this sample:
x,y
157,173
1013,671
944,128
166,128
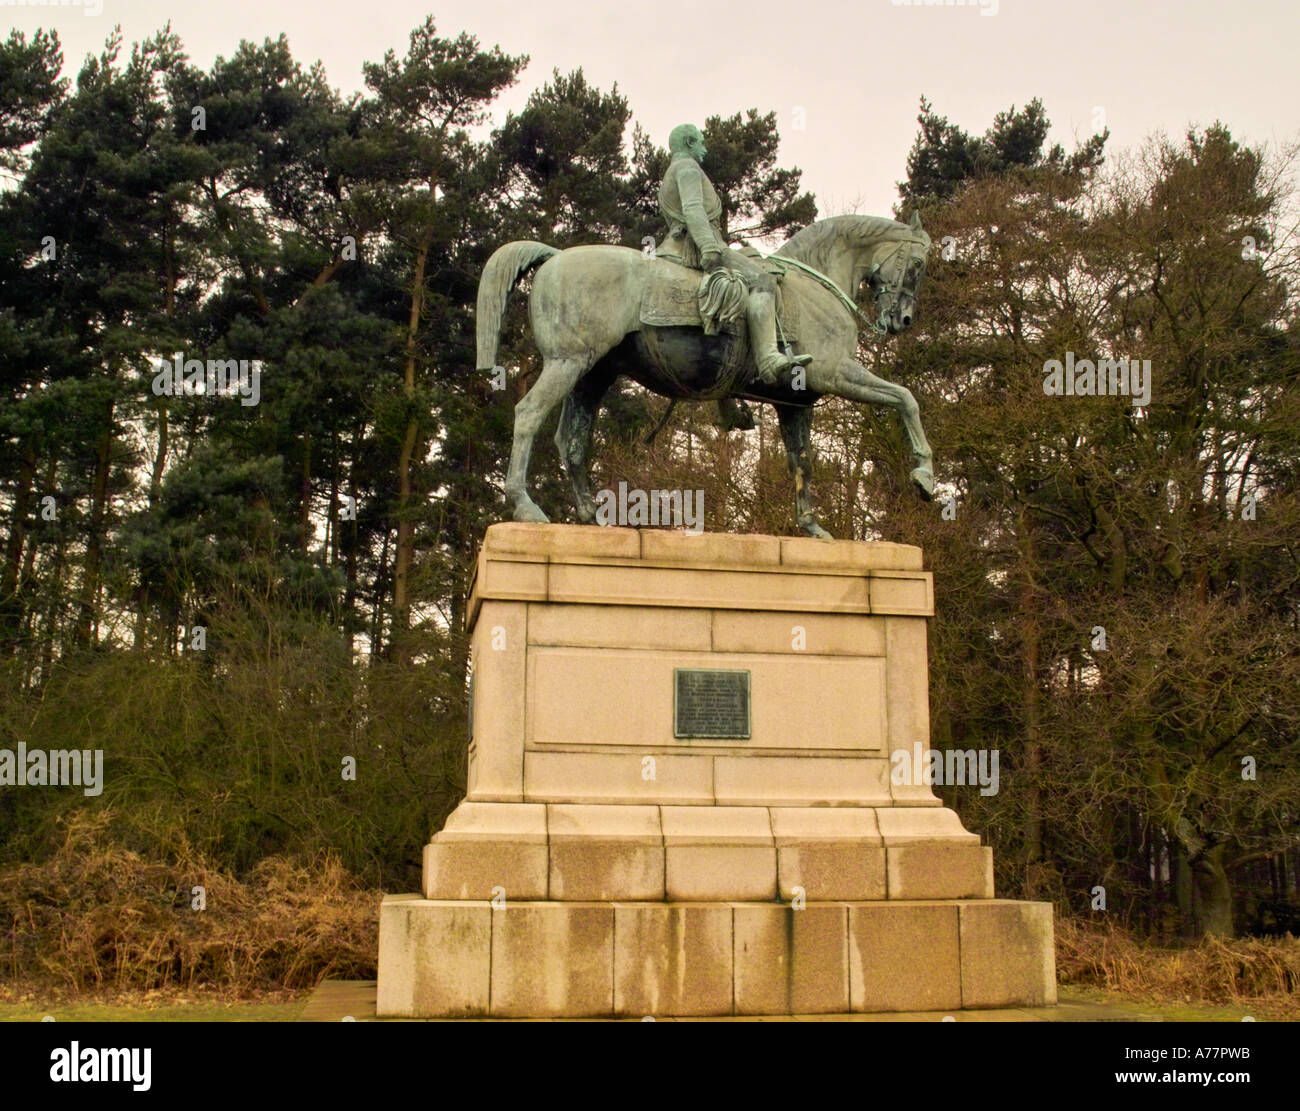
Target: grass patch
x,y
157,1007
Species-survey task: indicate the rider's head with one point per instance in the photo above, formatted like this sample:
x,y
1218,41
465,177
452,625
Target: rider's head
x,y
686,139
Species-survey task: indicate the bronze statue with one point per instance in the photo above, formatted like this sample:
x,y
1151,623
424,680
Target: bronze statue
x,y
598,312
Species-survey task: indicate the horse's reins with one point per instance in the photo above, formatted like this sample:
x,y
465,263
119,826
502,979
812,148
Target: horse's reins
x,y
844,298
818,276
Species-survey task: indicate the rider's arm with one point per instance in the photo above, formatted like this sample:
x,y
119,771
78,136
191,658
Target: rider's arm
x,y
690,187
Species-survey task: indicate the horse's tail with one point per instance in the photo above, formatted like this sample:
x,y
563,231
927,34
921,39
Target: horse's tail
x,y
506,266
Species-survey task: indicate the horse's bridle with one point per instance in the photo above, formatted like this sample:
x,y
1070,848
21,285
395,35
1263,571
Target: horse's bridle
x,y
893,294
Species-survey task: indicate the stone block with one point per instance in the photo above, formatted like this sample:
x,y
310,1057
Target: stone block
x,y
513,579
825,871
1008,957
821,634
557,542
717,852
498,651
706,872
761,947
790,961
672,959
828,853
486,846
904,957
552,960
902,592
751,780
850,556
900,825
819,982
696,587
792,825
936,870
613,777
710,549
579,626
605,853
731,825
907,700
434,958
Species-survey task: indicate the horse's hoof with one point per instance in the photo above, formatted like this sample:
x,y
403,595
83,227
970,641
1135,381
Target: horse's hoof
x,y
587,512
528,512
923,480
813,529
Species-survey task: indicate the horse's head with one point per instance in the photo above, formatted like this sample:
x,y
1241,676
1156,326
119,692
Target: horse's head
x,y
896,279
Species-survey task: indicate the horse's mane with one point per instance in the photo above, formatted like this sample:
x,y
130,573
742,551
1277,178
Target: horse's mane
x,y
811,243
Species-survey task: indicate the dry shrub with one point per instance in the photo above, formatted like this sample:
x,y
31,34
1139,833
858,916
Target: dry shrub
x,y
1256,971
98,916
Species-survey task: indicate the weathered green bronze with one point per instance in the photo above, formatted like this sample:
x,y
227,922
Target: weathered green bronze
x,y
600,312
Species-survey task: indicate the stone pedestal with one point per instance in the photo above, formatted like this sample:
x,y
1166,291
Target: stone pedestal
x,y
603,863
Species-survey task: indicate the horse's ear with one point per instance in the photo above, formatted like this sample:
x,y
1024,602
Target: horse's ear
x,y
916,221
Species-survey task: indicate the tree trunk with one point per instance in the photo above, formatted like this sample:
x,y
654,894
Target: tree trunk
x,y
88,617
1182,883
405,555
10,604
332,518
141,636
1213,895
1033,822
377,617
53,609
304,498
350,559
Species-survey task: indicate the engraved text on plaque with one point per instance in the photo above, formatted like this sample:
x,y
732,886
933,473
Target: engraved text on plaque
x,y
712,704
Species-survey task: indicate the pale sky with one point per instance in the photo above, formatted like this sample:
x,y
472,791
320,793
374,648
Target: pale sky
x,y
856,68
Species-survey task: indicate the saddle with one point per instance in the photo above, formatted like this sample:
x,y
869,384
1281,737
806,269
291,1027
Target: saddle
x,y
674,293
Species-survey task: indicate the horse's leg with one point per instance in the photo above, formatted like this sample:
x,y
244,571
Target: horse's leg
x,y
796,431
857,383
573,436
559,375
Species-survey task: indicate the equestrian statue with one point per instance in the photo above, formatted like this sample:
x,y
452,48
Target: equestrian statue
x,y
696,320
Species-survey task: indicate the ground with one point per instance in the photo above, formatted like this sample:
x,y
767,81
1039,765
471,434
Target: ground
x,y
341,997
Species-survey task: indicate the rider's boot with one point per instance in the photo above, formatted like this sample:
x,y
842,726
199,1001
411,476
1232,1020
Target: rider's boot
x,y
760,312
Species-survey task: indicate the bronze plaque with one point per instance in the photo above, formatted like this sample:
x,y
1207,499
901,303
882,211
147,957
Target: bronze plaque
x,y
711,704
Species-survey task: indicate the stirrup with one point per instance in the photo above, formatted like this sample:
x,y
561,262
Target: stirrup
x,y
787,363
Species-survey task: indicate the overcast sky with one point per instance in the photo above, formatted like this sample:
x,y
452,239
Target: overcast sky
x,y
850,71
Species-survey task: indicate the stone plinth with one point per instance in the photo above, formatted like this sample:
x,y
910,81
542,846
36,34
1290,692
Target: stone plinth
x,y
602,864
633,959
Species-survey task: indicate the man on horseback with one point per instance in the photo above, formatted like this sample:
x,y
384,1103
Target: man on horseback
x,y
690,205
588,309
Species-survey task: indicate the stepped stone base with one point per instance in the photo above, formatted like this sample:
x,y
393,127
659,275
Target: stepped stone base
x,y
567,853
775,855
464,958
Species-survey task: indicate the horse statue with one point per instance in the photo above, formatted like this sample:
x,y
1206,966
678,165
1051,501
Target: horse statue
x,y
588,312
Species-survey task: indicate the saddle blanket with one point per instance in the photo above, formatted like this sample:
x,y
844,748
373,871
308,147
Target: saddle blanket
x,y
671,299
